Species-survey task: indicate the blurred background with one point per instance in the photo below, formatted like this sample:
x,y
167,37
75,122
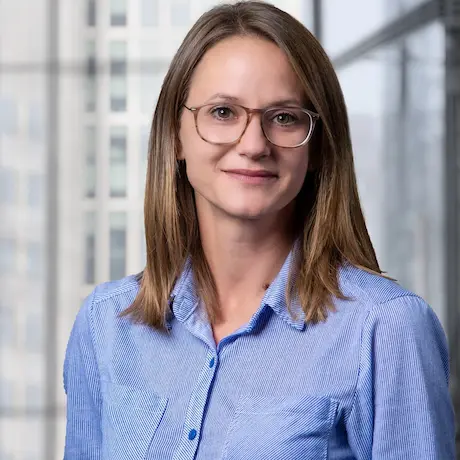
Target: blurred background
x,y
79,81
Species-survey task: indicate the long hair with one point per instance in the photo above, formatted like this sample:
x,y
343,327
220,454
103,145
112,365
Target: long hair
x,y
332,227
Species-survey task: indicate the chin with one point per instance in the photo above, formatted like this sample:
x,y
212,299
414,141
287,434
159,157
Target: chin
x,y
248,212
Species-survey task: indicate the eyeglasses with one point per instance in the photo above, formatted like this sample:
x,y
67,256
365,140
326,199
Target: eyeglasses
x,y
222,124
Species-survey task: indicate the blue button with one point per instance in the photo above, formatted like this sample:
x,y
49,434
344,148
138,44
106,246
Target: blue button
x,y
211,363
192,435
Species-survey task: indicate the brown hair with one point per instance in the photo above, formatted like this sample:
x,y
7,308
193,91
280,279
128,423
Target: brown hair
x,y
332,230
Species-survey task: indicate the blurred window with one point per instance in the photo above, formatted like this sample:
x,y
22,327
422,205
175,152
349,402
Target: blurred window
x,y
90,247
34,259
35,186
8,255
34,396
117,245
150,85
118,85
91,90
91,13
118,13
180,13
8,116
34,332
90,171
8,186
347,23
149,13
118,161
36,122
7,327
395,99
118,94
6,393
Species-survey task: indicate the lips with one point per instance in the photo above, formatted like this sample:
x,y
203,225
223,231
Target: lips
x,y
252,172
252,177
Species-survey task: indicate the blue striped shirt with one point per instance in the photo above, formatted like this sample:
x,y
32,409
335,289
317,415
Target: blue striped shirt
x,y
371,382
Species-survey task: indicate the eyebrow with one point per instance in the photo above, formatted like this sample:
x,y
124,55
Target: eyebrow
x,y
280,102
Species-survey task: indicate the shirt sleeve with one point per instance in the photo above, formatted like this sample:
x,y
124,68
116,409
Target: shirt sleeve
x,y
82,387
402,407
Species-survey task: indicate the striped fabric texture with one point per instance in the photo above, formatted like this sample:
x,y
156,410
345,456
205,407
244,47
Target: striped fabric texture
x,y
371,382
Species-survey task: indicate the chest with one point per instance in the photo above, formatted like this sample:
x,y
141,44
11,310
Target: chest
x,y
262,395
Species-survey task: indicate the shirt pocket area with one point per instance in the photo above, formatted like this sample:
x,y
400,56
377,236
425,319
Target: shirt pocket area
x,y
281,429
130,417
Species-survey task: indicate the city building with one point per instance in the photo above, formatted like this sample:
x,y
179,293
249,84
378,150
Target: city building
x,y
78,85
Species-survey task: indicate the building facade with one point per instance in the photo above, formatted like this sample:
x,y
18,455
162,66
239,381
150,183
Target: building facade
x,y
78,86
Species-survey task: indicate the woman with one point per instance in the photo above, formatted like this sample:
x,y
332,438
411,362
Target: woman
x,y
261,327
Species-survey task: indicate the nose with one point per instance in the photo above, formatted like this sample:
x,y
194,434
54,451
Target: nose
x,y
253,142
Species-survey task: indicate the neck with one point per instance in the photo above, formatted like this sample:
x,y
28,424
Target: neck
x,y
244,255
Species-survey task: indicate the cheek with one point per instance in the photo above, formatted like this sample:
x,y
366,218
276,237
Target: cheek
x,y
297,167
200,160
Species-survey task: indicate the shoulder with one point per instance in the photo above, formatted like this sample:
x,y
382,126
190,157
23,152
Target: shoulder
x,y
108,300
394,318
369,288
387,303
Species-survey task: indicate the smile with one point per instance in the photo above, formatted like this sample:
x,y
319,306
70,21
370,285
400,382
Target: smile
x,y
251,176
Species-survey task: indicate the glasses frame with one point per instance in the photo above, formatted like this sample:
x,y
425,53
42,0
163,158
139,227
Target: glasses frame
x,y
314,117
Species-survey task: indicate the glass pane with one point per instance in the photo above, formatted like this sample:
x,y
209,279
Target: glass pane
x,y
26,101
34,259
90,81
118,88
8,255
36,127
34,332
117,245
150,89
118,12
180,13
91,13
423,151
8,116
149,13
118,161
7,393
8,186
117,57
346,23
395,99
7,328
118,85
35,190
15,430
90,162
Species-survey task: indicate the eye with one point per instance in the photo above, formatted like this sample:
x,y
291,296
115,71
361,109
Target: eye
x,y
223,113
284,118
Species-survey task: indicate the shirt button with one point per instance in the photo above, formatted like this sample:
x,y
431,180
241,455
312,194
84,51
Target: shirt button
x,y
192,435
211,363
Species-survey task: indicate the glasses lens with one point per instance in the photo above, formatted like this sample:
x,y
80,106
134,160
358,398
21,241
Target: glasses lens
x,y
286,126
221,123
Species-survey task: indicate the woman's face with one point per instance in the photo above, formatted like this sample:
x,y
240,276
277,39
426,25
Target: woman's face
x,y
251,178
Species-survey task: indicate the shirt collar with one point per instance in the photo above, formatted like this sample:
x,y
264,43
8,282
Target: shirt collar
x,y
184,300
275,296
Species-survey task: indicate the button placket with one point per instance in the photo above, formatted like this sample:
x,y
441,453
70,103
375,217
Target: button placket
x,y
195,411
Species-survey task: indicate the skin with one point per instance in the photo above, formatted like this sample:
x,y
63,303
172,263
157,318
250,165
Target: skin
x,y
244,222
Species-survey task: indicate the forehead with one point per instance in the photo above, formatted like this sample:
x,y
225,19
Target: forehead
x,y
252,69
